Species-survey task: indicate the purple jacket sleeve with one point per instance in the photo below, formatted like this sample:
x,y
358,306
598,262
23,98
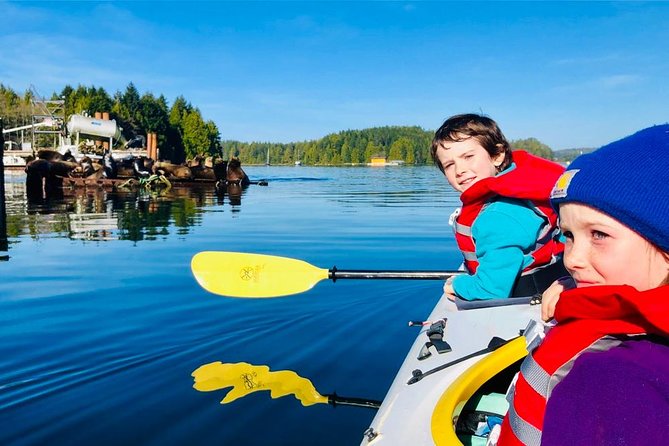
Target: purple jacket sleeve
x,y
618,397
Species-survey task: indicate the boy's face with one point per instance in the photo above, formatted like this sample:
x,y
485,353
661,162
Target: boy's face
x,y
599,250
466,162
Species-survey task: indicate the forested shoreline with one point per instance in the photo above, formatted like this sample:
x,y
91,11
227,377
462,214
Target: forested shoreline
x,y
183,133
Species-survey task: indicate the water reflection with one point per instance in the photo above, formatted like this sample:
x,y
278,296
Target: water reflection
x,y
103,214
4,245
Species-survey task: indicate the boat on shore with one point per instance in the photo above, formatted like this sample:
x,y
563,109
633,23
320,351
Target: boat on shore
x,y
455,375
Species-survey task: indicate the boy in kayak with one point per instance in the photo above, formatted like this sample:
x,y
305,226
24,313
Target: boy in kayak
x,y
506,228
601,375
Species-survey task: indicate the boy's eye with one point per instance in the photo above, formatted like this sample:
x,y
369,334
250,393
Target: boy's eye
x,y
599,235
568,235
447,165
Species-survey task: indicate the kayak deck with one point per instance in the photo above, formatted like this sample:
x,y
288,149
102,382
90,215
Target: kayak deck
x,y
406,414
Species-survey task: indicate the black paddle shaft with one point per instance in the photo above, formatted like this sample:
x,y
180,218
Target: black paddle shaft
x,y
335,274
336,400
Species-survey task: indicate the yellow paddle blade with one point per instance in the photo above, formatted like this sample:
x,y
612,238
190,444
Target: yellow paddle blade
x,y
245,378
239,274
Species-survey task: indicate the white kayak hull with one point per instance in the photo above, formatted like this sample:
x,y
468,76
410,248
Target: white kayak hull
x,y
407,412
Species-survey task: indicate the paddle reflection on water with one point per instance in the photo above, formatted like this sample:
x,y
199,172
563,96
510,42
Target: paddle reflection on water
x,y
3,214
245,378
4,245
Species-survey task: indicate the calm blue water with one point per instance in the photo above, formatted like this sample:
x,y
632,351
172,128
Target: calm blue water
x,y
102,323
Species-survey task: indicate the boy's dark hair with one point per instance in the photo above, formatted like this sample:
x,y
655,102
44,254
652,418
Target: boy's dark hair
x,y
461,127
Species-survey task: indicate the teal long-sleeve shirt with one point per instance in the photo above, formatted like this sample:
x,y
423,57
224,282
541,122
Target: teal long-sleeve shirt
x,y
505,232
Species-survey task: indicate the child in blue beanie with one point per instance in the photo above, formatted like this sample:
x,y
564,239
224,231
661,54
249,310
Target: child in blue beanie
x,y
506,228
601,375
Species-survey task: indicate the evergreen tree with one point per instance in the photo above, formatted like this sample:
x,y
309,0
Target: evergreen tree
x,y
372,150
534,146
214,137
127,109
356,156
174,146
152,114
195,134
14,110
100,101
345,153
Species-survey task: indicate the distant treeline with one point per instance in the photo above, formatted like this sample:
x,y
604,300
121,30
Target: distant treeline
x,y
568,155
408,144
183,133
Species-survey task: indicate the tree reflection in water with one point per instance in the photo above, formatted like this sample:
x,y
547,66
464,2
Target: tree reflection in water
x,y
94,213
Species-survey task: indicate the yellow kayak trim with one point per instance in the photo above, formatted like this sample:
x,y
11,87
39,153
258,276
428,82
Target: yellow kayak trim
x,y
463,388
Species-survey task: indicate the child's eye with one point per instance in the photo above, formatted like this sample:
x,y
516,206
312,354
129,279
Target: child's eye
x,y
568,235
447,165
599,235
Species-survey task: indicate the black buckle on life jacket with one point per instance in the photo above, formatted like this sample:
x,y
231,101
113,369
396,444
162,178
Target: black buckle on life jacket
x,y
538,281
436,335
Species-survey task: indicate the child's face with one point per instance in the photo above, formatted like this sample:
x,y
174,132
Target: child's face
x,y
601,251
466,162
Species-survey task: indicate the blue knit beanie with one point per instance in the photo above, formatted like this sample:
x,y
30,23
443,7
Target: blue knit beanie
x,y
627,180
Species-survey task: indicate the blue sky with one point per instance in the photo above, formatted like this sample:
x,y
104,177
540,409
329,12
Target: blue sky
x,y
572,74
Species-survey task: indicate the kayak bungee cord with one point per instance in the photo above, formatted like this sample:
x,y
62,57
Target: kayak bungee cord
x,y
493,345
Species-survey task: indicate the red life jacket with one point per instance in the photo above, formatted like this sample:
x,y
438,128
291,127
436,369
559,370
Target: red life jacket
x,y
531,180
589,319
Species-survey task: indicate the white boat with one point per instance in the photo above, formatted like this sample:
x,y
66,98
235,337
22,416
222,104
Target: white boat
x,y
429,394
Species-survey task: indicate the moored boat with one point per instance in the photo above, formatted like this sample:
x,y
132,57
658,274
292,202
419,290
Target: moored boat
x,y
456,373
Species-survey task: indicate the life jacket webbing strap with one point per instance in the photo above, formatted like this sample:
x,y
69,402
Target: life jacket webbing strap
x,y
462,229
524,431
535,376
469,256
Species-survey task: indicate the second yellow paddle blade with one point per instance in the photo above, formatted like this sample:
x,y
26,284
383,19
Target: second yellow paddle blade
x,y
237,274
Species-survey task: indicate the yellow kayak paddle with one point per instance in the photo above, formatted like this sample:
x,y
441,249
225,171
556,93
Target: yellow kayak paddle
x,y
238,274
